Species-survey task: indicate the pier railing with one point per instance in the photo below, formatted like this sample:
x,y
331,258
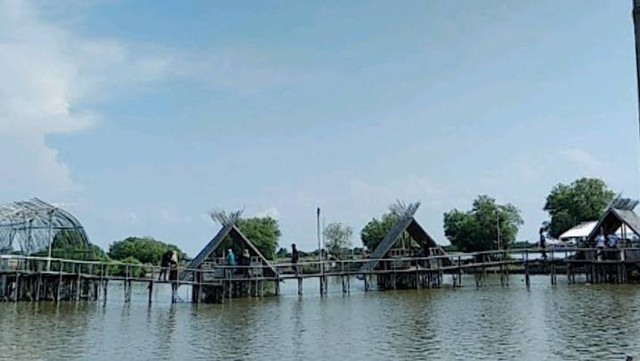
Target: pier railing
x,y
311,268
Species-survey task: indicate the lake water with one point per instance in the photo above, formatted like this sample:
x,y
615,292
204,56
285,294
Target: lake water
x,y
563,322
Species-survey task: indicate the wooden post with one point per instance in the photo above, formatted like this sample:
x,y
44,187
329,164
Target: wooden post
x,y
96,290
553,269
17,290
150,291
104,291
526,269
38,287
126,279
59,288
99,285
348,283
174,292
199,293
459,271
78,286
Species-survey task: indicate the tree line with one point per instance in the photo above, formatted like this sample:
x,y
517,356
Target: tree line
x,y
489,225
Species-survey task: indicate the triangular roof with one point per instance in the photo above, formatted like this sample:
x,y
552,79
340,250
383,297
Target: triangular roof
x,y
612,219
583,229
232,231
408,224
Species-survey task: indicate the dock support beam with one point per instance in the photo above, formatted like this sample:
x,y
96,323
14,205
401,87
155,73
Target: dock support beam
x,y
150,291
527,280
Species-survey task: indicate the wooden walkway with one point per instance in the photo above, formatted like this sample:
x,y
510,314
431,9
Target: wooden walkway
x,y
24,278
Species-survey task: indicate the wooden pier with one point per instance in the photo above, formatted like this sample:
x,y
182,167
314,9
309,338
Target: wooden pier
x,y
24,278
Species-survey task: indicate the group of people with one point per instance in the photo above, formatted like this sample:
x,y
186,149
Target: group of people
x,y
169,266
601,243
609,242
244,262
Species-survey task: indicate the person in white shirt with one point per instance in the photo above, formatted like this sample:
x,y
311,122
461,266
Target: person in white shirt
x,y
612,243
599,246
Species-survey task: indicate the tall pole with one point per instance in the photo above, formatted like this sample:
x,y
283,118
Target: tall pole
x,y
50,239
320,250
318,234
636,26
498,227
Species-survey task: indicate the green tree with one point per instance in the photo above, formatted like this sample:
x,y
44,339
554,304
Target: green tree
x,y
263,232
581,201
283,253
374,232
129,266
477,229
338,237
70,244
145,249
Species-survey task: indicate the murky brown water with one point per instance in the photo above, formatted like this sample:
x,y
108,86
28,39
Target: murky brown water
x,y
564,322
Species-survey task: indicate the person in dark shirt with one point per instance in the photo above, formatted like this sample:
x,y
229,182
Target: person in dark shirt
x,y
294,258
173,266
543,244
164,265
245,262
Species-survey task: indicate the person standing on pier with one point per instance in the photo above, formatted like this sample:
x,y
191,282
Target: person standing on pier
x,y
294,258
173,266
600,247
543,244
245,262
164,265
173,275
231,263
612,244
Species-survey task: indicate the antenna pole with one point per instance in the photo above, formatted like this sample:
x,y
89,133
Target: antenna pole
x,y
636,27
320,251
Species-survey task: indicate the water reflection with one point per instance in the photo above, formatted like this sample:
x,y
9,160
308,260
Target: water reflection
x,y
574,322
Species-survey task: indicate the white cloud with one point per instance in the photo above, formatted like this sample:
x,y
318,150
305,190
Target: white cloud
x,y
269,212
133,217
48,75
409,189
583,159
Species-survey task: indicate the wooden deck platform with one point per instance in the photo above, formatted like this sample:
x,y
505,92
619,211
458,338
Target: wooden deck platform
x,y
25,278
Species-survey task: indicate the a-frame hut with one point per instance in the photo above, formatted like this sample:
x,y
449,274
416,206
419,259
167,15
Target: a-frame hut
x,y
614,261
401,252
212,283
619,218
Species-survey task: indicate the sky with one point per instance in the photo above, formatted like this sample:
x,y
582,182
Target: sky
x,y
140,117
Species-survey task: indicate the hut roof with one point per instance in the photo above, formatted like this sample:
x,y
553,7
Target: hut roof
x,y
408,224
581,230
227,230
613,219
